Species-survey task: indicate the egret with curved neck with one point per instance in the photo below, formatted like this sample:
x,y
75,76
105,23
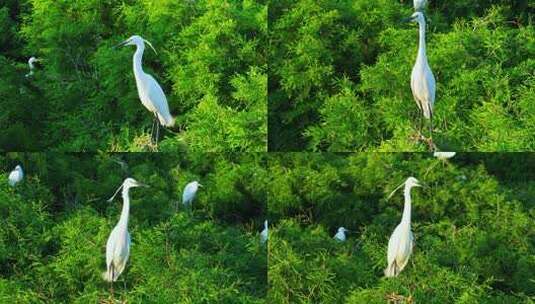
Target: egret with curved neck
x,y
422,80
150,92
118,245
401,241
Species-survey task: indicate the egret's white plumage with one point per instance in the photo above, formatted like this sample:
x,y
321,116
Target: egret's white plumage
x,y
264,235
150,92
443,155
15,176
118,245
189,193
419,5
422,79
401,241
31,62
341,234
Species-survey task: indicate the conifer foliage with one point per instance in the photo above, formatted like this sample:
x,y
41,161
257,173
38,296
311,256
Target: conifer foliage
x,y
340,75
472,220
56,222
211,64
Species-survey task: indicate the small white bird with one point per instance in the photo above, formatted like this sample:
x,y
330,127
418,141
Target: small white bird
x,y
341,234
444,155
118,245
16,176
189,193
401,241
422,80
31,62
264,236
419,5
150,92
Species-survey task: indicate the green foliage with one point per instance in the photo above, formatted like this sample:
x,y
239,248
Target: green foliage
x,y
340,75
211,64
56,223
474,234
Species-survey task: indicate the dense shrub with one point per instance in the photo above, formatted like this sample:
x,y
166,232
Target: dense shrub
x,y
211,64
474,235
340,75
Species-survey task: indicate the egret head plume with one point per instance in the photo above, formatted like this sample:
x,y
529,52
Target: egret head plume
x,y
150,44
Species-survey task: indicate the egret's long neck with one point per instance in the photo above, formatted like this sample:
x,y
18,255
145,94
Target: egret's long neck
x,y
138,57
126,207
421,47
407,208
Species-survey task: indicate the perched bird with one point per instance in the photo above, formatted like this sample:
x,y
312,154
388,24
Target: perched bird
x,y
150,92
341,234
444,155
16,176
419,5
422,79
264,234
401,241
189,193
31,62
118,245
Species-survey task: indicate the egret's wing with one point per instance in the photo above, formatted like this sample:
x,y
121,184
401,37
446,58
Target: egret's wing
x,y
157,97
393,245
110,246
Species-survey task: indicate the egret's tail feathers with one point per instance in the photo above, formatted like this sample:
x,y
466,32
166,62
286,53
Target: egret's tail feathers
x,y
167,121
107,276
391,270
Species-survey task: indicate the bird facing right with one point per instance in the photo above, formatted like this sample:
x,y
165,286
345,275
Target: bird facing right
x,y
341,234
401,241
15,176
189,193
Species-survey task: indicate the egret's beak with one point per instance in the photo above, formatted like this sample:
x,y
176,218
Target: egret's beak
x,y
121,44
143,185
150,44
201,185
405,20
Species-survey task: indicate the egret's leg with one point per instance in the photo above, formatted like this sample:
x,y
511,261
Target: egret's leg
x,y
154,128
157,131
431,133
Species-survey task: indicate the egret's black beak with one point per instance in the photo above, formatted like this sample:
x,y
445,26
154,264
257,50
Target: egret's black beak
x,y
405,20
121,44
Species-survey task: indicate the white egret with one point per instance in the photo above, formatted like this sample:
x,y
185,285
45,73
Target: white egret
x,y
401,241
422,79
264,234
16,176
341,234
118,245
189,193
150,92
31,62
419,5
444,155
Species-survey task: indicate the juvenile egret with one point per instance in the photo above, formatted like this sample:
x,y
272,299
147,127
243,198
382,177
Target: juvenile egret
x,y
264,234
118,245
419,5
16,176
31,62
189,193
150,92
401,241
422,79
444,155
341,234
